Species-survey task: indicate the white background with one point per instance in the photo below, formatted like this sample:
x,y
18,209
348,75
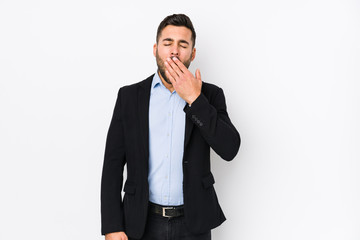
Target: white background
x,y
290,73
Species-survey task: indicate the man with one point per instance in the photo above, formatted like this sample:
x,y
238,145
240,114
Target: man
x,y
163,128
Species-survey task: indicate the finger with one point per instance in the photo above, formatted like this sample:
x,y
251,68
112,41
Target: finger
x,y
175,66
180,64
197,74
171,70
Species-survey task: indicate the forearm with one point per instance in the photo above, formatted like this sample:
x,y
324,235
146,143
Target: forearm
x,y
215,125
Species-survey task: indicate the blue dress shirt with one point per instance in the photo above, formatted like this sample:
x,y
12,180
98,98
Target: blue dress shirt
x,y
166,145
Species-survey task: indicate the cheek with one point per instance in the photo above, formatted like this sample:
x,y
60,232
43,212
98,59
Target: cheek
x,y
163,49
163,53
186,54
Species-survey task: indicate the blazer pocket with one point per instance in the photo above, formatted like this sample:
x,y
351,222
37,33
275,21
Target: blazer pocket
x,y
208,181
129,188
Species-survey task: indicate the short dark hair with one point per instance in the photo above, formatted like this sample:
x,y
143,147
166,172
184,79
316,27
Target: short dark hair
x,y
180,20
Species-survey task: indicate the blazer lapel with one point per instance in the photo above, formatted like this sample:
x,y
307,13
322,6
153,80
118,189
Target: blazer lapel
x,y
143,111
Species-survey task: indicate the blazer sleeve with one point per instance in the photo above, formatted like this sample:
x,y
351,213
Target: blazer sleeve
x,y
215,125
112,214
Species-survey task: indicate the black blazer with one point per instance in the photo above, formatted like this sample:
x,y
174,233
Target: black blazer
x,y
207,125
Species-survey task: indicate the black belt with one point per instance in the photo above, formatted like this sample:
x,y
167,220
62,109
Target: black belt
x,y
167,211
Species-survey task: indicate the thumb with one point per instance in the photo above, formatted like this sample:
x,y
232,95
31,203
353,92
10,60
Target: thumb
x,y
197,74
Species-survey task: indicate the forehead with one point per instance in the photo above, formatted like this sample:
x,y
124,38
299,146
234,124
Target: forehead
x,y
176,33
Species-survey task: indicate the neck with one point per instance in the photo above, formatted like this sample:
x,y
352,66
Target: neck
x,y
170,87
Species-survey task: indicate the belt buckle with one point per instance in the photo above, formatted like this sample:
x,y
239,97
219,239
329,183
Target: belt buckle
x,y
164,211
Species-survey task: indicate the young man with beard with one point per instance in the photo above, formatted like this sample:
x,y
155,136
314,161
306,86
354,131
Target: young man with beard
x,y
163,128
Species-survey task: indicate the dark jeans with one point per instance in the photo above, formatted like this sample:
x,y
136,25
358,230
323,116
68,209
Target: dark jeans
x,y
162,228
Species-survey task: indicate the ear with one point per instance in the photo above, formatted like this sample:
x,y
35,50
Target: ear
x,y
154,49
193,54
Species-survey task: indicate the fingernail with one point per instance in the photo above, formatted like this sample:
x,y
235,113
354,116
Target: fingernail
x,y
174,58
168,59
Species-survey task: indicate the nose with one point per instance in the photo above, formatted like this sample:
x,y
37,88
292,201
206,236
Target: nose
x,y
175,51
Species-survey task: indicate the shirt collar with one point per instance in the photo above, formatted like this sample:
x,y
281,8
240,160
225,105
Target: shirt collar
x,y
156,81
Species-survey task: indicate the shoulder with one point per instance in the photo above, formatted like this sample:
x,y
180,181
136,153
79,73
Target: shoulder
x,y
209,87
211,91
133,88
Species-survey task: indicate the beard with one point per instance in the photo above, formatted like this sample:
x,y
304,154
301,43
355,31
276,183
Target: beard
x,y
161,66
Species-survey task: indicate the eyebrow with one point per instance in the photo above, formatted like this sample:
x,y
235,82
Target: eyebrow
x,y
171,40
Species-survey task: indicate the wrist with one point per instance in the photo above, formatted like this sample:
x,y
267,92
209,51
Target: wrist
x,y
192,99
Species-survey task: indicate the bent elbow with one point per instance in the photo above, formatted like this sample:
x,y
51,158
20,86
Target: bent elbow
x,y
232,149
